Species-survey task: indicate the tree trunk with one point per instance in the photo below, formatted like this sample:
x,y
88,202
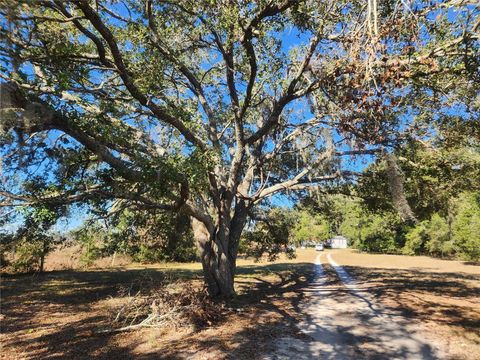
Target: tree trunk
x,y
218,252
113,258
218,270
218,265
42,255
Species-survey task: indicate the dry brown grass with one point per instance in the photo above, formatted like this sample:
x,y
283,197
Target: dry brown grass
x,y
68,258
352,257
58,315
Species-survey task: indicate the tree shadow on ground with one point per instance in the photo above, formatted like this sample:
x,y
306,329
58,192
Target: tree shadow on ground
x,y
263,338
448,298
358,329
56,316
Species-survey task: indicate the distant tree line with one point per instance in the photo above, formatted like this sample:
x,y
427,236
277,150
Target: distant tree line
x,y
146,237
452,235
441,186
449,233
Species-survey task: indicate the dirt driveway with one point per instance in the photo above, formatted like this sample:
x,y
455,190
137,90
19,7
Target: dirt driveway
x,y
387,307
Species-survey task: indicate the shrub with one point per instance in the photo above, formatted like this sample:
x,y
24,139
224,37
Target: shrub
x,y
379,233
6,241
28,256
90,238
416,238
466,227
439,242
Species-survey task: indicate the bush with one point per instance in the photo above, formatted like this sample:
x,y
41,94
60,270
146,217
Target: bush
x,y
6,241
466,227
90,238
458,235
33,239
28,256
429,236
439,242
379,233
416,239
436,237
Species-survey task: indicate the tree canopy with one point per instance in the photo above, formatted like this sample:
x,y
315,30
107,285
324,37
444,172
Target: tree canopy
x,y
209,108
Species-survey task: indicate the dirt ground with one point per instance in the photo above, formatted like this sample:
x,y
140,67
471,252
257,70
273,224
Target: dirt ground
x,y
442,295
58,315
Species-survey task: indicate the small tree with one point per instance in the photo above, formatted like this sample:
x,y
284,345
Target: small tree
x,y
91,237
33,240
466,225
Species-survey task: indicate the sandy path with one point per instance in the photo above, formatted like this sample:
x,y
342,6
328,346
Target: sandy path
x,y
344,322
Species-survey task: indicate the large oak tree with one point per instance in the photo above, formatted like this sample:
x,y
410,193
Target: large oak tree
x,y
209,108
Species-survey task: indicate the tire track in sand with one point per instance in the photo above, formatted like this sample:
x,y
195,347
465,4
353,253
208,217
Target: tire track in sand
x,y
343,321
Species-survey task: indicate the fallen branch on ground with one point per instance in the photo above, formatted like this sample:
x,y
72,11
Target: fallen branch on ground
x,y
177,304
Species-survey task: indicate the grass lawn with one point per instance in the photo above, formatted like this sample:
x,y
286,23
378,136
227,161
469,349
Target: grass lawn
x,y
58,314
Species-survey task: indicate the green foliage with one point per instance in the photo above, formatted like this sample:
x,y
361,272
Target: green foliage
x,y
439,241
416,239
438,237
432,175
27,256
147,254
442,181
91,238
466,226
310,227
456,234
33,240
379,233
270,236
198,106
6,241
351,218
146,236
152,237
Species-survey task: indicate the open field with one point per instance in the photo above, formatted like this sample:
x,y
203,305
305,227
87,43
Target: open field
x,y
442,295
58,315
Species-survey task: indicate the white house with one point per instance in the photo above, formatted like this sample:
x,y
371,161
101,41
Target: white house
x,y
338,242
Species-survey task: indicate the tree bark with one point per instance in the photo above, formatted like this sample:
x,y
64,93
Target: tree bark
x,y
42,255
218,251
218,269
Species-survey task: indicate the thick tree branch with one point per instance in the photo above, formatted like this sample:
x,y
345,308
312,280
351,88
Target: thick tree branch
x,y
195,84
127,79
